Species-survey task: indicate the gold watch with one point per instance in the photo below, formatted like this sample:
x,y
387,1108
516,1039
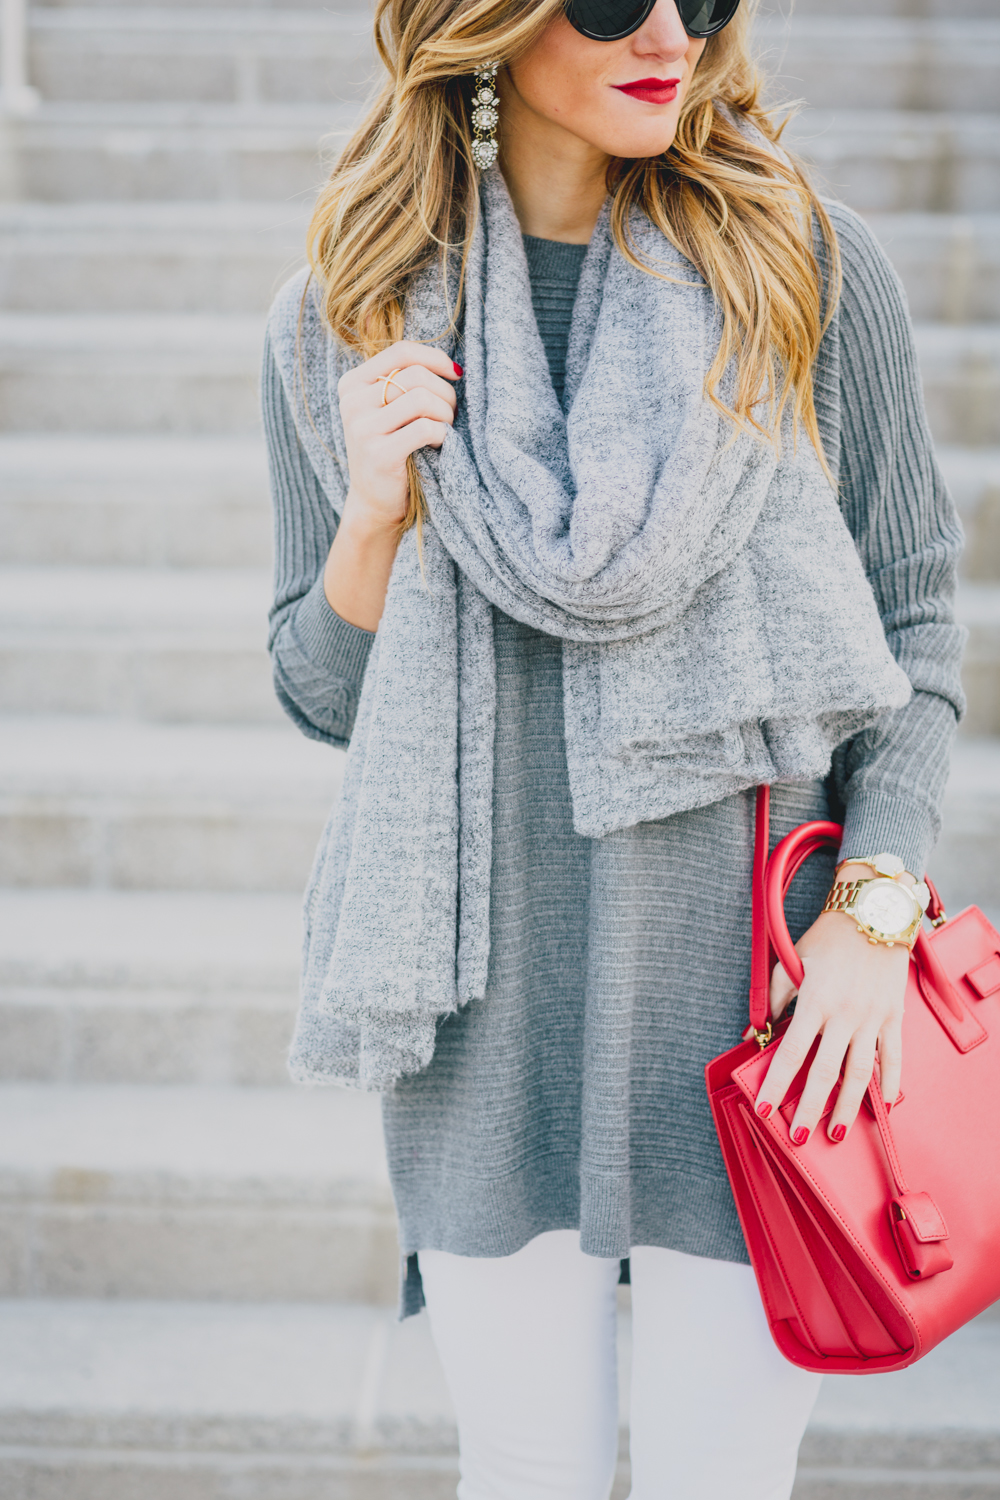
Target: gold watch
x,y
884,909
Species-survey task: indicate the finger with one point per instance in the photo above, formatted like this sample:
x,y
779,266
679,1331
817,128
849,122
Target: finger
x,y
416,377
789,1056
419,402
379,422
857,1076
423,433
890,1057
782,991
824,1073
403,355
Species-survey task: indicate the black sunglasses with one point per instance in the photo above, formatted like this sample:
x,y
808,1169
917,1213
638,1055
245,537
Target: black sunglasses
x,y
610,20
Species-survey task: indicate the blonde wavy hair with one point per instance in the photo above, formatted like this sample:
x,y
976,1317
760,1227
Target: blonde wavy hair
x,y
404,191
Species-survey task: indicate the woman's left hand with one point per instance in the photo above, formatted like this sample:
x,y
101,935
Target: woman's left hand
x,y
851,996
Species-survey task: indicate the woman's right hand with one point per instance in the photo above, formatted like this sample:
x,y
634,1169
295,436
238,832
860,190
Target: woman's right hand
x,y
384,422
419,408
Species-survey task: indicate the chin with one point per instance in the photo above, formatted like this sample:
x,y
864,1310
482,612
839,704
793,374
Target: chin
x,y
633,145
633,139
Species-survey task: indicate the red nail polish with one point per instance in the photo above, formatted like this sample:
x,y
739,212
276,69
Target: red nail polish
x,y
838,1132
457,368
764,1110
801,1136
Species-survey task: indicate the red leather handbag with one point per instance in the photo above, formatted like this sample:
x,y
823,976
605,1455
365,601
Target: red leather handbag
x,y
870,1252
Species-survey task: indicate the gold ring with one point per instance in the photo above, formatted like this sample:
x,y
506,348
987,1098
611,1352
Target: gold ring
x,y
387,381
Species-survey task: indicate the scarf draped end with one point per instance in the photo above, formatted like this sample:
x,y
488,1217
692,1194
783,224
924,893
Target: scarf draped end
x,y
613,793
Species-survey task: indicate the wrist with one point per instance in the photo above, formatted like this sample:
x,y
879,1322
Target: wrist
x,y
356,576
844,922
364,526
855,869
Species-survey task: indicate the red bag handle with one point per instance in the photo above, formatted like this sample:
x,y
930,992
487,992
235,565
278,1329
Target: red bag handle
x,y
761,952
771,939
771,880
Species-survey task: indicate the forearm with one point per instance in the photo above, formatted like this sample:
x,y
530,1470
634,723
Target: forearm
x,y
356,575
891,781
318,658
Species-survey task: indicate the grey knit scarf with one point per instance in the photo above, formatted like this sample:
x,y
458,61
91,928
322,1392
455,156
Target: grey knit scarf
x,y
718,629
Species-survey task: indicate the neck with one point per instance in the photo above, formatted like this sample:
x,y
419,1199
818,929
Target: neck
x,y
556,181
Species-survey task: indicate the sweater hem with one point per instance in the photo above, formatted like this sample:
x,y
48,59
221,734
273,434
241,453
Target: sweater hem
x,y
669,1206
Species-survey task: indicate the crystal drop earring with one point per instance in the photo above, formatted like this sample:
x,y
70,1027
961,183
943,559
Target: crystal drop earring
x,y
485,114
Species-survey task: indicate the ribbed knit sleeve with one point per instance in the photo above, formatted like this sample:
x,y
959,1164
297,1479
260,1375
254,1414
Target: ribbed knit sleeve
x,y
891,779
318,659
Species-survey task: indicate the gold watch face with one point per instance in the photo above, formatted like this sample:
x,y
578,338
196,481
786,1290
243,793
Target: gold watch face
x,y
886,907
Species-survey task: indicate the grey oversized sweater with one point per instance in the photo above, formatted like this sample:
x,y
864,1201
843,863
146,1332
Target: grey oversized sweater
x,y
573,1094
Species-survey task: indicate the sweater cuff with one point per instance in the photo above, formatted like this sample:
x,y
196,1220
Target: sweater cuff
x,y
329,642
876,823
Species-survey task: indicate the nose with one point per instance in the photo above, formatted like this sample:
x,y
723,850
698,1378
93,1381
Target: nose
x,y
663,32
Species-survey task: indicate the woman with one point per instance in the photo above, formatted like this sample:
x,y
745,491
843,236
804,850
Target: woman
x,y
679,531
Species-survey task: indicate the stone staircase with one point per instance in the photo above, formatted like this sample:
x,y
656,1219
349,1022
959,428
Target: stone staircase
x,y
197,1262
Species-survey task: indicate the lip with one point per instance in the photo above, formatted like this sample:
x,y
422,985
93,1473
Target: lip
x,y
650,90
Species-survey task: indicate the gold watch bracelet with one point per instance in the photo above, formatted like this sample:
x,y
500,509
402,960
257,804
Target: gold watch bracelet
x,y
842,896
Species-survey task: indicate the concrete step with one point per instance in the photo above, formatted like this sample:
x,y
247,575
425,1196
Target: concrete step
x,y
979,610
266,7
966,863
960,366
928,1433
823,8
949,263
239,1193
262,1402
895,161
225,55
853,62
973,476
184,645
918,9
176,501
230,257
204,1401
881,160
112,373
112,803
147,987
254,56
86,152
146,257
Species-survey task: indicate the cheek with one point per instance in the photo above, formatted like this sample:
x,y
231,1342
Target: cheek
x,y
693,55
559,77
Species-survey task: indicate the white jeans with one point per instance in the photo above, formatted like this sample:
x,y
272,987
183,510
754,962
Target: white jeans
x,y
527,1343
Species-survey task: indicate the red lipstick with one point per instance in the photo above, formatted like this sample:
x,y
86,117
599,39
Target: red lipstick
x,y
650,90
